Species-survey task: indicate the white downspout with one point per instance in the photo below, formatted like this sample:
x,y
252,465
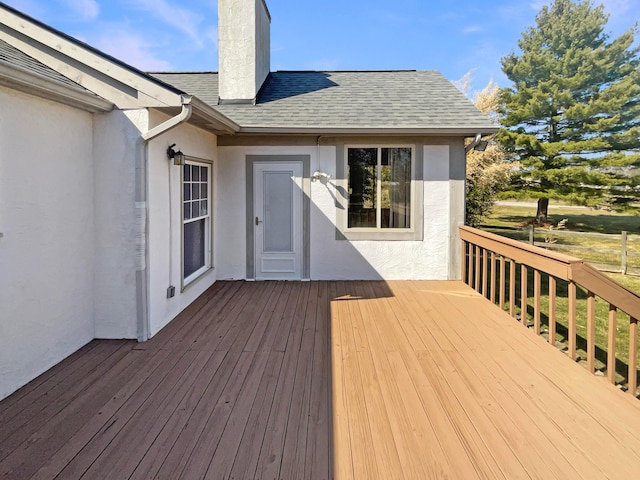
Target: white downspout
x,y
142,232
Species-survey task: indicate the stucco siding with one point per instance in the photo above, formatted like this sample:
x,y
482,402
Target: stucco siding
x,y
164,267
330,257
117,147
47,221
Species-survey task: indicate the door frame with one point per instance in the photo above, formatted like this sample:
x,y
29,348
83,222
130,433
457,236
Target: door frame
x,y
306,208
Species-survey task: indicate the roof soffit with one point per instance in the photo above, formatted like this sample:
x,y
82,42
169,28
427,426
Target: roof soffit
x,y
32,84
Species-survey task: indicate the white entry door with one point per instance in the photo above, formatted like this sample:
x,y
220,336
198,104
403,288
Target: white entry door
x,y
277,193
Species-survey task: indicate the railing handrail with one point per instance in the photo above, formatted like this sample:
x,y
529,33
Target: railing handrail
x,y
559,265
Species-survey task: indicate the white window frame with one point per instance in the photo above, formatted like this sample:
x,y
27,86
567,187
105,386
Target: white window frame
x,y
208,217
378,230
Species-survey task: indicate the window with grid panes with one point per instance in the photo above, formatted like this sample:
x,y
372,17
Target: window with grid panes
x,y
196,217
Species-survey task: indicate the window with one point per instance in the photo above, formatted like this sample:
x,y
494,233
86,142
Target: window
x,y
379,188
196,218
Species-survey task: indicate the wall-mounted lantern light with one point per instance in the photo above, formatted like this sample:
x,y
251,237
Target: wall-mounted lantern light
x,y
177,157
318,175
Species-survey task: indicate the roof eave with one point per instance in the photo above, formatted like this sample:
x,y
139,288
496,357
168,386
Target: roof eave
x,y
28,82
447,131
217,120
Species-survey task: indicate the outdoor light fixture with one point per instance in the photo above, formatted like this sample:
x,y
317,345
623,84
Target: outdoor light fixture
x,y
477,144
481,146
177,157
318,175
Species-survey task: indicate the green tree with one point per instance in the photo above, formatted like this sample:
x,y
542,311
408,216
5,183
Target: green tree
x,y
572,116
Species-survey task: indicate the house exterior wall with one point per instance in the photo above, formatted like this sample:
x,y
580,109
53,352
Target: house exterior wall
x,y
164,267
47,220
331,258
117,146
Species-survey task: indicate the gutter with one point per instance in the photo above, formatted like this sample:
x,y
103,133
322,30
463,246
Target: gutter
x,y
142,234
403,131
173,122
26,81
224,123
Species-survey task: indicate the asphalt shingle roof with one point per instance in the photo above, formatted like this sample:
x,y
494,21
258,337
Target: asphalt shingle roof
x,y
362,99
16,58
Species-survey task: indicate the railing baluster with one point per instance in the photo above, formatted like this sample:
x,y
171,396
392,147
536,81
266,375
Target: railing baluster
x,y
523,294
463,263
485,261
572,320
611,344
512,288
478,255
536,301
492,295
591,332
470,266
502,281
633,355
552,310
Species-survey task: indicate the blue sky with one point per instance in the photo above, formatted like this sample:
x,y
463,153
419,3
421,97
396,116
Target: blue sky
x,y
454,36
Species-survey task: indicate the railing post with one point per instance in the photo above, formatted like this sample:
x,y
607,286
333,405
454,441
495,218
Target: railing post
x,y
532,237
623,253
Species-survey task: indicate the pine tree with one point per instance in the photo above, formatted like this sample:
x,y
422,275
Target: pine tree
x,y
572,116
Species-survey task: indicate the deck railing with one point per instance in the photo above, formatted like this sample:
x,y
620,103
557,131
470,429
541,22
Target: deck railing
x,y
488,258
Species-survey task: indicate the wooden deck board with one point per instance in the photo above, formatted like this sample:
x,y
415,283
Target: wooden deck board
x,y
323,380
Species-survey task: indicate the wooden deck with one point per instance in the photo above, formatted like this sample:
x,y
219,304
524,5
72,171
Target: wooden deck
x,y
317,380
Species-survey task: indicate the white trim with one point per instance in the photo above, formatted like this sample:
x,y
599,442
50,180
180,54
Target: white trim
x,y
378,230
208,228
28,82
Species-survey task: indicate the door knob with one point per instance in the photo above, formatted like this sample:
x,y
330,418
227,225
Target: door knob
x,y
258,221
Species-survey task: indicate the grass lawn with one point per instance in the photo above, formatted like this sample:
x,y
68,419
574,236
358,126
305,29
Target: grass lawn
x,y
511,221
515,217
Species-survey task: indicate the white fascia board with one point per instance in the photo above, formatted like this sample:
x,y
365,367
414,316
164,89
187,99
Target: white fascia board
x,y
466,132
214,117
125,87
32,84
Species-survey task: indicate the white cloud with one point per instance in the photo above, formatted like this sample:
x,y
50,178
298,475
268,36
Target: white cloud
x,y
474,29
174,16
86,9
131,49
211,34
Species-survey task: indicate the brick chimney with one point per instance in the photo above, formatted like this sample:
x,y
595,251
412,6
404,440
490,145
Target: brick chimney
x,y
243,49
